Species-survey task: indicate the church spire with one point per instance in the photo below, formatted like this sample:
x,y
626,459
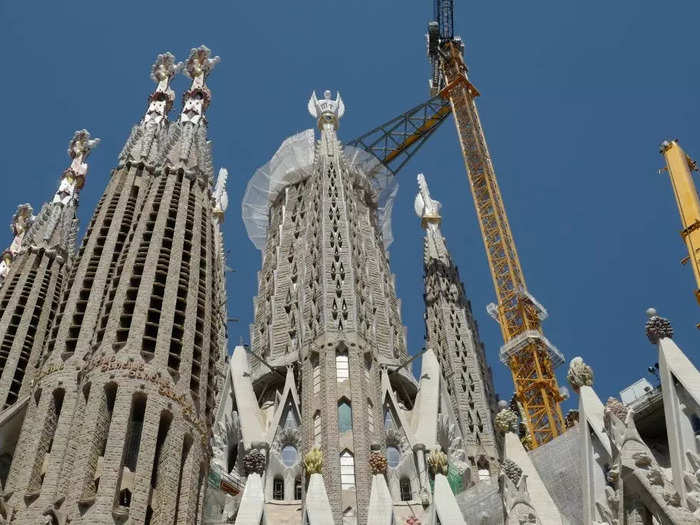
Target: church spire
x,y
152,129
453,335
55,227
34,268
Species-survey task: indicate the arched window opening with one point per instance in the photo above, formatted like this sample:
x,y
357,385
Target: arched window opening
x,y
278,488
342,367
289,455
347,470
344,416
125,498
317,428
316,373
393,456
297,488
405,489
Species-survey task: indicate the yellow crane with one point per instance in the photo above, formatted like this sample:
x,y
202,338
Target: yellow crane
x,y
679,167
526,351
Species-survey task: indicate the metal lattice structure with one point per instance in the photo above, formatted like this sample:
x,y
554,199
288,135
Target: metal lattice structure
x,y
529,355
396,141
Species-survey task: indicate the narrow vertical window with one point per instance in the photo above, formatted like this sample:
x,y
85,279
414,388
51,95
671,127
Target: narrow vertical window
x,y
405,488
347,470
317,429
344,416
278,488
341,367
370,417
297,488
316,374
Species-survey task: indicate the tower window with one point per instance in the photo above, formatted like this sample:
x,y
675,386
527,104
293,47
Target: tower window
x,y
347,470
317,429
297,488
405,488
341,367
393,456
289,455
344,416
316,376
278,488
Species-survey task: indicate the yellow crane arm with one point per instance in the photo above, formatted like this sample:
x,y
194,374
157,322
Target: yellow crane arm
x,y
679,167
526,351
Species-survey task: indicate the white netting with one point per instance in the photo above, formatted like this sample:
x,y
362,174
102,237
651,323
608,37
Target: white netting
x,y
292,163
383,182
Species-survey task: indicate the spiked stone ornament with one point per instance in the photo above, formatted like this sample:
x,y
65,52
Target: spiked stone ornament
x,y
657,327
512,470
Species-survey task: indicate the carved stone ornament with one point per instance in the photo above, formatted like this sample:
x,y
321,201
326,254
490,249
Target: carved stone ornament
x,y
326,111
427,208
657,327
691,478
73,179
377,463
506,421
437,462
512,470
572,418
161,100
313,461
617,408
449,439
287,436
580,374
220,195
254,462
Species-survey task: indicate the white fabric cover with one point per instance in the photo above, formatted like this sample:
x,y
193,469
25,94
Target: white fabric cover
x,y
292,163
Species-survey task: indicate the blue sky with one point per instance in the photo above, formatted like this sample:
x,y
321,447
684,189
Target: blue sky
x,y
576,97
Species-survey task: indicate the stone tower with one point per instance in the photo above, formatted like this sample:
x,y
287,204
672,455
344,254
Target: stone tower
x,y
453,335
117,424
326,308
33,269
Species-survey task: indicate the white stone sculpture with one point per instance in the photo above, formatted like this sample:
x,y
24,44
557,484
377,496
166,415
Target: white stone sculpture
x,y
579,374
326,111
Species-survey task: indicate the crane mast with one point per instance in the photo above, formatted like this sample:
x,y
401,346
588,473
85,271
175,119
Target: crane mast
x,y
526,351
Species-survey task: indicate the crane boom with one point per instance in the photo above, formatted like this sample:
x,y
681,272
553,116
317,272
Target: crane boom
x,y
526,351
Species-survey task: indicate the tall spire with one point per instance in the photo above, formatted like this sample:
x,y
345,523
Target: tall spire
x,y
147,139
189,148
453,335
34,267
55,228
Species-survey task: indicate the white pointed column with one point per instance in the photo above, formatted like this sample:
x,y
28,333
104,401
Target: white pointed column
x,y
680,386
594,445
